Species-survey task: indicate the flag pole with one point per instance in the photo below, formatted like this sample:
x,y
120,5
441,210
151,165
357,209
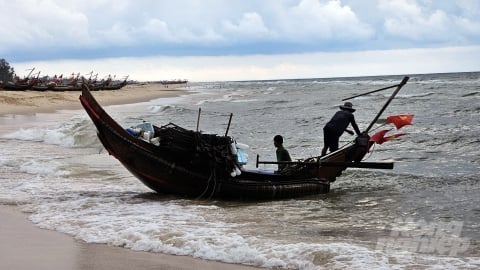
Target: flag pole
x,y
399,86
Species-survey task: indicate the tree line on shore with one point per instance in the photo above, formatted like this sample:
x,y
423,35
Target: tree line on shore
x,y
6,71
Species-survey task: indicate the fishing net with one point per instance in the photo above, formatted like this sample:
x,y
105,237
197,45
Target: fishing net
x,y
198,149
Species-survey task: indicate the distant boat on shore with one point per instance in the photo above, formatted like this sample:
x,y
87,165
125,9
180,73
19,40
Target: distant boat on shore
x,y
58,83
21,84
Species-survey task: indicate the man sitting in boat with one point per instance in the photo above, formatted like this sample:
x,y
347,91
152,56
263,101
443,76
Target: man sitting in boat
x,y
281,152
337,125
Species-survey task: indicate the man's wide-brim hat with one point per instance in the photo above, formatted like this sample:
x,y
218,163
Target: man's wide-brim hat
x,y
347,106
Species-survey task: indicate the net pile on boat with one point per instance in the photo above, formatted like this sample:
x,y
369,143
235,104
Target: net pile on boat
x,y
199,151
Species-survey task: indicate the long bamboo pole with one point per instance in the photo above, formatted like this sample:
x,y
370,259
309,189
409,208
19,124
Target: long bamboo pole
x,y
374,91
370,165
198,118
402,83
228,126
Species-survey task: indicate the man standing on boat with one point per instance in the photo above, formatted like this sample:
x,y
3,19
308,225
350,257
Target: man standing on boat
x,y
281,152
337,125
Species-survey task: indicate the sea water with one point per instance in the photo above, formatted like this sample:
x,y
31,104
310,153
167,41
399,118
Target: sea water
x,y
423,214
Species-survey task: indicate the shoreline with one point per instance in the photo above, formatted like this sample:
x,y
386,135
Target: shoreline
x,y
31,102
23,245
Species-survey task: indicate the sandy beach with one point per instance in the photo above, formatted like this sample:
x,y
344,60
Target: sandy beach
x,y
30,102
24,246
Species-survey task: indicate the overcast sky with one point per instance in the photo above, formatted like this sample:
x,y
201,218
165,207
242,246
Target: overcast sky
x,y
211,40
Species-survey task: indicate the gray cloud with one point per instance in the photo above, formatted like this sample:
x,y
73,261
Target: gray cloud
x,y
40,29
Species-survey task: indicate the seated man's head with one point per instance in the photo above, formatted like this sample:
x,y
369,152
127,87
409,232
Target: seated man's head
x,y
277,140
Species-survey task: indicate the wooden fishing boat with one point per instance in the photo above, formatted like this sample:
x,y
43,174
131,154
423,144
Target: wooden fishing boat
x,y
115,85
67,87
20,85
173,160
44,86
11,86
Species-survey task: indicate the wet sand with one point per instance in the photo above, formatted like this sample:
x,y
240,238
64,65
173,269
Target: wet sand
x,y
25,246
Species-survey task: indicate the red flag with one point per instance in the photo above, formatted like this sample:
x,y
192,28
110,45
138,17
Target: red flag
x,y
400,120
393,137
378,137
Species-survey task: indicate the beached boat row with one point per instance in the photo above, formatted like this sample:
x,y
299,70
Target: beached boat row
x,y
59,83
